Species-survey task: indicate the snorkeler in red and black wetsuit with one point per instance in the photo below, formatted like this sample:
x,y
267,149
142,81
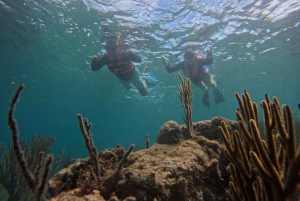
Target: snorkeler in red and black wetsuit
x,y
120,63
193,68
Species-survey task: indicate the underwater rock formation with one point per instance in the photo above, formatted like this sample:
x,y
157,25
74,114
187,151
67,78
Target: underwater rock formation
x,y
177,167
171,132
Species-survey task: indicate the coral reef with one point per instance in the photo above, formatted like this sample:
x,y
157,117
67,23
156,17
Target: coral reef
x,y
206,160
185,169
67,178
171,132
262,170
82,174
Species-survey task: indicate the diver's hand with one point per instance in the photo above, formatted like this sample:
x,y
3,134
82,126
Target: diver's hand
x,y
164,61
95,57
209,52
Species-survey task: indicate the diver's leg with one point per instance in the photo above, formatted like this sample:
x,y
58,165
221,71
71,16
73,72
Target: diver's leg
x,y
125,84
139,83
205,97
211,82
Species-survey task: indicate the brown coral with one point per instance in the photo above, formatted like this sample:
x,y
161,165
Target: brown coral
x,y
262,169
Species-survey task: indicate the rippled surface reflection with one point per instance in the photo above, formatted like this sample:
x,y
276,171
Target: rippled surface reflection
x,y
159,26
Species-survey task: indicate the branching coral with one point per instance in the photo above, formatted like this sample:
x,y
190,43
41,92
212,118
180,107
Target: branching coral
x,y
147,141
262,169
186,100
108,184
36,181
85,127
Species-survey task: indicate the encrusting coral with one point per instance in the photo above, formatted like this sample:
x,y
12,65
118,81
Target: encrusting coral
x,y
262,170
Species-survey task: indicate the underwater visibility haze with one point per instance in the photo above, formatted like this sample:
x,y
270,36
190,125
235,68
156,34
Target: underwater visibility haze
x,y
46,45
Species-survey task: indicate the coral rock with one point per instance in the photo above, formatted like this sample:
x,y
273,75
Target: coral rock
x,y
209,129
69,196
178,167
170,133
66,178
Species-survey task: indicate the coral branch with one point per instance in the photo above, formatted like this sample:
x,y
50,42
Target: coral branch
x,y
147,141
87,135
123,159
273,174
33,180
44,178
186,100
16,140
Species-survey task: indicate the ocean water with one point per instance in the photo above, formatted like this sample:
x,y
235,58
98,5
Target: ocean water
x,y
46,45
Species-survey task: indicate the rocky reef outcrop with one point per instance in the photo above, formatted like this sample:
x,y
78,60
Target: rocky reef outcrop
x,y
177,167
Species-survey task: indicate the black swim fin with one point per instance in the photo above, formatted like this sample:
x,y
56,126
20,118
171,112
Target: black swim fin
x,y
218,96
205,99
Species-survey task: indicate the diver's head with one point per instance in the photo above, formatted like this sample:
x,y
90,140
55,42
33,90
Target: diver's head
x,y
189,56
112,46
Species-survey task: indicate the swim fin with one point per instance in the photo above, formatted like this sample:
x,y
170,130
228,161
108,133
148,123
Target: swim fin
x,y
205,99
149,84
145,82
218,96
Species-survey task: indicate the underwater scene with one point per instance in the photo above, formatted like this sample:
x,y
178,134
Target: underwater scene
x,y
114,117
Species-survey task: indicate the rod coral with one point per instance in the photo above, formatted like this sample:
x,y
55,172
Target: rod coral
x,y
36,183
85,127
147,141
262,170
186,100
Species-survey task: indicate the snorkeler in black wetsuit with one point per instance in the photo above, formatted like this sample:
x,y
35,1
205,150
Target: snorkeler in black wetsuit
x,y
193,68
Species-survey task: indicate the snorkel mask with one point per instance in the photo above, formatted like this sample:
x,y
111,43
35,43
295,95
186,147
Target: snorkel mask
x,y
112,46
189,55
